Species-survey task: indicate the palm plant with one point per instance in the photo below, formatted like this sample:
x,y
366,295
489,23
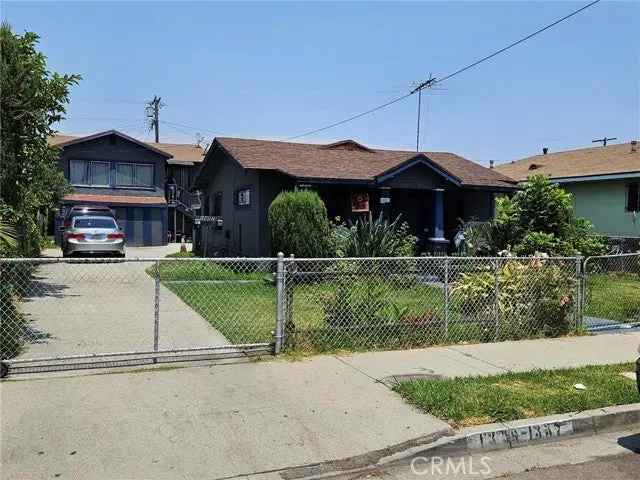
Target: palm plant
x,y
8,235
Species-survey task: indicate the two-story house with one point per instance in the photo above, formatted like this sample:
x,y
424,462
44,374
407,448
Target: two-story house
x,y
127,175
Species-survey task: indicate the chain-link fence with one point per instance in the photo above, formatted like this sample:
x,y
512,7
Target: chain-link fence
x,y
359,304
612,291
172,308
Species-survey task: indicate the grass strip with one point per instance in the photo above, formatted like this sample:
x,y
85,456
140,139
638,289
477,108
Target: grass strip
x,y
467,401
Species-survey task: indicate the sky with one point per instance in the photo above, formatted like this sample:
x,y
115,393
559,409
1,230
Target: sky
x,y
276,70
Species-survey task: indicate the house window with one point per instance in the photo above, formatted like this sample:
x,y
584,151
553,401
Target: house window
x,y
78,172
84,172
125,174
243,197
633,197
134,175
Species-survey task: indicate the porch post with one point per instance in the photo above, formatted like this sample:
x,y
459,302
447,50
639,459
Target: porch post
x,y
438,241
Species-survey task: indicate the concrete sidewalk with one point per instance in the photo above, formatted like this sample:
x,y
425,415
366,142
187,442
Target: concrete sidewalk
x,y
494,358
247,419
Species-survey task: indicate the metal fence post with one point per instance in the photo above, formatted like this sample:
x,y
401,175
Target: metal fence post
x,y
156,308
496,305
579,291
446,297
280,304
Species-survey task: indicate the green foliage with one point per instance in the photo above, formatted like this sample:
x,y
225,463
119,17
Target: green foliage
x,y
8,237
299,225
374,238
32,100
476,400
534,298
347,307
13,322
540,242
537,219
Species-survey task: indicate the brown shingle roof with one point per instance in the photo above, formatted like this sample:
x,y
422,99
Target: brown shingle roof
x,y
348,160
609,160
183,153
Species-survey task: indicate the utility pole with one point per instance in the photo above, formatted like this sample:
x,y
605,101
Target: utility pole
x,y
604,140
418,129
153,114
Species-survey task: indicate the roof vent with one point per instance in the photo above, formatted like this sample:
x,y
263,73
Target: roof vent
x,y
634,146
534,166
545,150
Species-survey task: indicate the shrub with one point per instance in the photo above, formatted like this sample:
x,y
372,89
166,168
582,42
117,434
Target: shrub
x,y
299,225
13,324
539,219
535,298
374,238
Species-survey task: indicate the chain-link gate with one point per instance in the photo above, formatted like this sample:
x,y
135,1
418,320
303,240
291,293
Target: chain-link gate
x,y
612,292
59,314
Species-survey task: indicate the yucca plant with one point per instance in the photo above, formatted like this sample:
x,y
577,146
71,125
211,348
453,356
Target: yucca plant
x,y
374,238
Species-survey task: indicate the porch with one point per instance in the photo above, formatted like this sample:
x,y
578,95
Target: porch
x,y
434,215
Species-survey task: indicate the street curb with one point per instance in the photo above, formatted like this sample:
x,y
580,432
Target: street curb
x,y
543,429
496,436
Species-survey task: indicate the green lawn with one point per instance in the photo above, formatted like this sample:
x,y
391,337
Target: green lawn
x,y
615,296
381,312
466,401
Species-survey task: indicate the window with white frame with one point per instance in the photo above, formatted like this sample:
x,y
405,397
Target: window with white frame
x,y
86,172
98,174
134,175
243,197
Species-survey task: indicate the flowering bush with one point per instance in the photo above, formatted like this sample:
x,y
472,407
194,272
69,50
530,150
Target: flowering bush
x,y
522,299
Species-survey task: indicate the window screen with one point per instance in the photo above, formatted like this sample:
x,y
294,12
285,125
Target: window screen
x,y
99,173
144,175
124,174
78,172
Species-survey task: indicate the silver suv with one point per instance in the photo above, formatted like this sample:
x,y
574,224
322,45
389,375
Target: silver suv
x,y
93,235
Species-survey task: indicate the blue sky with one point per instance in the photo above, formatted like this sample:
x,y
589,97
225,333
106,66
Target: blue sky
x,y
274,70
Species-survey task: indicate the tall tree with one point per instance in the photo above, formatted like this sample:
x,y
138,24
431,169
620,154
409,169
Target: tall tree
x,y
32,100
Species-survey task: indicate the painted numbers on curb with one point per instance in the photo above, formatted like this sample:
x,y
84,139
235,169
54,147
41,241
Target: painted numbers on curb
x,y
519,435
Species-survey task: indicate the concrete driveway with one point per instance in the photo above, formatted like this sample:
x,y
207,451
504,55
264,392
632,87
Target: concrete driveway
x,y
77,309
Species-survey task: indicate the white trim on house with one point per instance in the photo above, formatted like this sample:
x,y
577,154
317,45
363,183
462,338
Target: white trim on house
x,y
596,178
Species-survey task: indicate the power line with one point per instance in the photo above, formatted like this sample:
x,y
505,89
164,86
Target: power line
x,y
354,117
191,127
511,45
432,81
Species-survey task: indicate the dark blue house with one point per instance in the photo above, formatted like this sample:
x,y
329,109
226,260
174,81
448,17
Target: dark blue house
x,y
125,174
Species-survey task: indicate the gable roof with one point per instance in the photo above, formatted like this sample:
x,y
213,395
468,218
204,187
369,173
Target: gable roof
x,y
586,162
350,161
176,153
